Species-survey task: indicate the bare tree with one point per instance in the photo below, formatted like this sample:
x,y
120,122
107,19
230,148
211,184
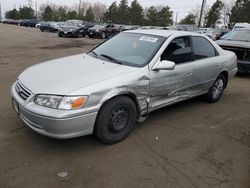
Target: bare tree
x,y
99,9
30,3
196,12
228,5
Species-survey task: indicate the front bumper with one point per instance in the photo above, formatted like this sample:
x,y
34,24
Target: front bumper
x,y
68,33
60,128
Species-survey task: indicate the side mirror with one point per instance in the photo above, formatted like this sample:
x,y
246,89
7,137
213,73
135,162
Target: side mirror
x,y
165,65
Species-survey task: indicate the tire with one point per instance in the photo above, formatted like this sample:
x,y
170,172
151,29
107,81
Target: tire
x,y
217,89
115,120
103,35
59,35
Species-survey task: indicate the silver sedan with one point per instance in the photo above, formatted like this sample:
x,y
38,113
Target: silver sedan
x,y
119,82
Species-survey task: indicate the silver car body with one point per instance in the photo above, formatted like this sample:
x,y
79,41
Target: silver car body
x,y
102,80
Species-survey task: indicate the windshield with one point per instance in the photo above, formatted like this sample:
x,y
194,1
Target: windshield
x,y
74,23
130,48
239,35
98,27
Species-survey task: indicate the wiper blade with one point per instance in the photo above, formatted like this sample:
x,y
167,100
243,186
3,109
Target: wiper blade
x,y
112,59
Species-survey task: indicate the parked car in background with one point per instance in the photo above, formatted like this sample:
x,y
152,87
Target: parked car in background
x,y
49,26
238,41
29,23
241,25
147,27
23,22
213,33
130,27
74,28
183,27
120,81
14,22
104,31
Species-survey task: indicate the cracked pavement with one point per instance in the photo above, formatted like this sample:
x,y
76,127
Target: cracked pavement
x,y
192,144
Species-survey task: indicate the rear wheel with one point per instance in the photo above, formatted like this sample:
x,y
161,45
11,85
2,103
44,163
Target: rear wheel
x,y
216,90
115,120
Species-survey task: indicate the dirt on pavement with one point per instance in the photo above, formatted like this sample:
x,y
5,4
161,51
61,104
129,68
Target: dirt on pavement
x,y
192,144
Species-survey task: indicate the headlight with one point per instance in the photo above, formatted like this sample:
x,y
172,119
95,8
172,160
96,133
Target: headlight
x,y
61,102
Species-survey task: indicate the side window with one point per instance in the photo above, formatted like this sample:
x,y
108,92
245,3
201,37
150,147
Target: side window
x,y
178,51
203,48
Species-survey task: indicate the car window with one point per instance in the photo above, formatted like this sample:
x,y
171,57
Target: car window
x,y
178,51
202,48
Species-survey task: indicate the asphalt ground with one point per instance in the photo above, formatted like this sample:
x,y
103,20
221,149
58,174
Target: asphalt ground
x,y
192,144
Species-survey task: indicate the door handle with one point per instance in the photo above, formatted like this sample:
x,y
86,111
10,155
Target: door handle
x,y
189,73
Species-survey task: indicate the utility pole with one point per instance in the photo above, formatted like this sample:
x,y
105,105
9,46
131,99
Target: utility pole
x,y
36,11
176,18
201,13
0,12
80,7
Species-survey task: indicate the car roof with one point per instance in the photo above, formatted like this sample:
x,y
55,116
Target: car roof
x,y
163,33
242,29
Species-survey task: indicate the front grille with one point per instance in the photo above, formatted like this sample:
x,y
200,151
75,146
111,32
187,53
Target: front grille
x,y
23,92
241,53
242,66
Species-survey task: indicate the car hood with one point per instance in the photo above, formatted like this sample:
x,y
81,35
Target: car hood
x,y
65,75
231,43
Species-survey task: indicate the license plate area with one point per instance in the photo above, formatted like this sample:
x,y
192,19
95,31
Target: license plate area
x,y
15,106
65,32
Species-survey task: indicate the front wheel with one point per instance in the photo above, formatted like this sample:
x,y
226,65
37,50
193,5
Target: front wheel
x,y
217,89
115,120
103,35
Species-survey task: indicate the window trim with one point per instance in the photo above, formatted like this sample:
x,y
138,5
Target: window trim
x,y
192,52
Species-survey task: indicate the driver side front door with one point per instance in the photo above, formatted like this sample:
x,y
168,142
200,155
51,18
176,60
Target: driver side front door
x,y
169,86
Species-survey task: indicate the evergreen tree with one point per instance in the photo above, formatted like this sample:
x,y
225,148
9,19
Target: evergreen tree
x,y
72,14
12,14
123,12
61,14
48,14
152,16
189,19
214,13
240,12
165,17
90,17
136,13
111,15
26,13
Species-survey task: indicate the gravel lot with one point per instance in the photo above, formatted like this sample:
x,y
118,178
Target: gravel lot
x,y
189,145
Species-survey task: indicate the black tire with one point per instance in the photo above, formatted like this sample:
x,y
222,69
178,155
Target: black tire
x,y
59,35
103,35
217,89
115,120
42,30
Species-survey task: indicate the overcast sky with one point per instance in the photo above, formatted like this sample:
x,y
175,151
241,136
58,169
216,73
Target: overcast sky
x,y
180,6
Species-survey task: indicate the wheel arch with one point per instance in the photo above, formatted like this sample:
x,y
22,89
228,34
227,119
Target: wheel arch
x,y
226,75
130,95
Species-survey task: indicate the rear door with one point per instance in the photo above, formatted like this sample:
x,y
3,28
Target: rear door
x,y
207,64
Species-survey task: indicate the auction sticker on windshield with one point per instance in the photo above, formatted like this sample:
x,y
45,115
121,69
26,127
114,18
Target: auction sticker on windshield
x,y
148,39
